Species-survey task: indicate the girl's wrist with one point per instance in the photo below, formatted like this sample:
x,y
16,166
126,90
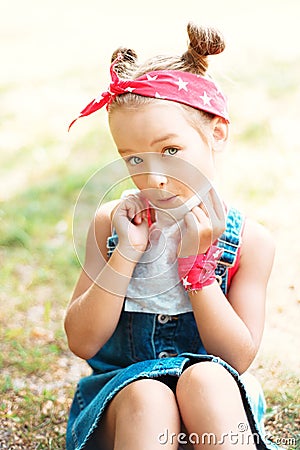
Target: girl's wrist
x,y
129,253
193,292
187,250
197,272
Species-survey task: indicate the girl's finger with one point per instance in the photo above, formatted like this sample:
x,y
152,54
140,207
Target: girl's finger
x,y
130,211
201,215
191,221
136,210
215,213
139,217
204,209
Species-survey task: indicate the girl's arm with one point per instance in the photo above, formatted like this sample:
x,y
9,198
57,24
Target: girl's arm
x,y
232,329
95,307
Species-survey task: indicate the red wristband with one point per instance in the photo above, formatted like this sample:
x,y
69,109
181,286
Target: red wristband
x,y
196,272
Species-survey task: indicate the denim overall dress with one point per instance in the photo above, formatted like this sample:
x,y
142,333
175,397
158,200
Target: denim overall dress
x,y
158,346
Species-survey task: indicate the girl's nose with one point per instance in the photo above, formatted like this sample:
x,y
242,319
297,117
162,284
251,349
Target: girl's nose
x,y
157,180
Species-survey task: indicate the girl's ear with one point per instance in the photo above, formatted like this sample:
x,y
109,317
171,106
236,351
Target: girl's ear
x,y
219,133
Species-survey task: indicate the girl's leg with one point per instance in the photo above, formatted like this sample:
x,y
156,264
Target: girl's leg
x,y
143,415
211,408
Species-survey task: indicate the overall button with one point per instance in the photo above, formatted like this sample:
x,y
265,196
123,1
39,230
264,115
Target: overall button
x,y
219,279
163,318
166,354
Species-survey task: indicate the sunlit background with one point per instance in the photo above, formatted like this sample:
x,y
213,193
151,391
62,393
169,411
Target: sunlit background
x,y
54,59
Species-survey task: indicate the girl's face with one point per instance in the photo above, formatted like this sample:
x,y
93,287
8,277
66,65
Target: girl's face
x,y
161,149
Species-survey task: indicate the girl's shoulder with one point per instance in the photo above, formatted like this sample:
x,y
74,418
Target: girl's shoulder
x,y
102,219
104,211
248,232
257,235
258,246
247,293
99,230
95,252
248,245
101,227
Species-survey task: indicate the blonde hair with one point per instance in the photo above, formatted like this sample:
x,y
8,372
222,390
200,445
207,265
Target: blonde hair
x,y
203,41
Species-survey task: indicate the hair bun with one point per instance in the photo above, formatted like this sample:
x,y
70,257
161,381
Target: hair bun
x,y
205,40
128,54
126,66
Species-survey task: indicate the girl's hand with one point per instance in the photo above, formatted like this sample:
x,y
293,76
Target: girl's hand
x,y
129,218
198,233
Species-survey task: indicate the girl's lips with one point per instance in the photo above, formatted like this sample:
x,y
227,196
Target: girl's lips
x,y
167,200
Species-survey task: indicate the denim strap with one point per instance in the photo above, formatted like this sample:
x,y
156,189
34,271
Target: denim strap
x,y
230,241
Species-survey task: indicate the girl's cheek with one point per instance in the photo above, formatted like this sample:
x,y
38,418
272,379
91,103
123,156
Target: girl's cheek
x,y
140,181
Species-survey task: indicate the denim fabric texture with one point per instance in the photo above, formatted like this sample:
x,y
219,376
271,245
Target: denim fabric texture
x,y
159,346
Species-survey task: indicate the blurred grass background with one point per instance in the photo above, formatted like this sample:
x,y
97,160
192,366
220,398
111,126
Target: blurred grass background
x,y
54,59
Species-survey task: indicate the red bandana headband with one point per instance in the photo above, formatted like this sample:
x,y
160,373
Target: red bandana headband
x,y
182,87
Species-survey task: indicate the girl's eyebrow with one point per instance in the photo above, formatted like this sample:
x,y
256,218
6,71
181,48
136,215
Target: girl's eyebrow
x,y
163,138
124,151
155,141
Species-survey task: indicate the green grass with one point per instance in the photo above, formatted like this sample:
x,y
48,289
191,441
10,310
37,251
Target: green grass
x,y
39,268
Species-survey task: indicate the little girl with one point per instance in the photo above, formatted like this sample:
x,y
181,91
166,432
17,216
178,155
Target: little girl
x,y
169,307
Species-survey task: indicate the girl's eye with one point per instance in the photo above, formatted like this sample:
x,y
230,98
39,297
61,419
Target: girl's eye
x,y
171,151
134,160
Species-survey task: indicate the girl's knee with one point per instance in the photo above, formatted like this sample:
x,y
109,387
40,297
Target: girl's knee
x,y
204,377
145,394
140,404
